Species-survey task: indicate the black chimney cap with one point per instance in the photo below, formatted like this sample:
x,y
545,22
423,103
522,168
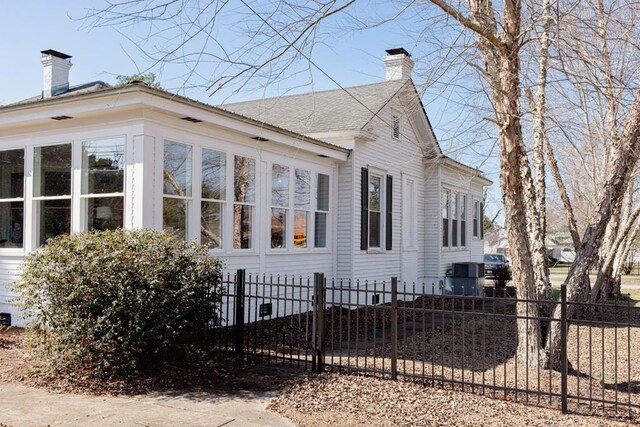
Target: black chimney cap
x,y
55,53
398,51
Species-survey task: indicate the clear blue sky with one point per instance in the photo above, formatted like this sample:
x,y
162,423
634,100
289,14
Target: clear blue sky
x,y
351,58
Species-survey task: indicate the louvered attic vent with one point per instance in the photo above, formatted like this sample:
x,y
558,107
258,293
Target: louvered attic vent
x,y
61,118
192,119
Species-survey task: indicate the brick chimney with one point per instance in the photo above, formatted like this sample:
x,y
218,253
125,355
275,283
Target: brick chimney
x,y
55,73
397,64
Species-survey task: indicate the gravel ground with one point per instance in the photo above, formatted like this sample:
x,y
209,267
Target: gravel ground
x,y
353,400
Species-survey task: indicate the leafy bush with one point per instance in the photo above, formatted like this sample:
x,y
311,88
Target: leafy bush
x,y
119,302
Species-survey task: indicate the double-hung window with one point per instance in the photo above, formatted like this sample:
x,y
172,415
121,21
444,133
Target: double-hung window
x,y
463,220
279,205
375,211
52,191
322,211
244,188
213,197
454,219
12,198
476,216
302,205
103,183
445,218
177,182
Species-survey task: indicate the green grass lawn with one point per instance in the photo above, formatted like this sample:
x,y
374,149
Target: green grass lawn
x,y
634,294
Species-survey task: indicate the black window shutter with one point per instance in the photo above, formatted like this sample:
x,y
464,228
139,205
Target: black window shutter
x,y
364,210
389,210
481,219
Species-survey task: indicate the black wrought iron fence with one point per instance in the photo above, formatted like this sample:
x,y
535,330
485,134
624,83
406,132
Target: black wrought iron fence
x,y
410,332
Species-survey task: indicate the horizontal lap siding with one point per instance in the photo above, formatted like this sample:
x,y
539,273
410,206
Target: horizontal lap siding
x,y
10,268
345,219
432,224
474,251
395,157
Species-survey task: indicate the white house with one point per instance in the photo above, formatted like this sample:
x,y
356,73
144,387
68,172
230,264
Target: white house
x,y
350,182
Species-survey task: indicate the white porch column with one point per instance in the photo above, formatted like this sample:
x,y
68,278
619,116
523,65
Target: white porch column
x,y
141,194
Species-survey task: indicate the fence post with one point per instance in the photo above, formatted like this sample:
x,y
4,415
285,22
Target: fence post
x,y
239,323
317,362
563,346
394,328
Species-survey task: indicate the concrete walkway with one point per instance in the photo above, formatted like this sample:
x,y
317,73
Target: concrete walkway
x,y
22,406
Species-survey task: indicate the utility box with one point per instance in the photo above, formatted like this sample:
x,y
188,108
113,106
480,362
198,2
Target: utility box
x,y
468,269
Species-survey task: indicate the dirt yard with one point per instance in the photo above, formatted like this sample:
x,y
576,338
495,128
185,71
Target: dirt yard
x,y
354,400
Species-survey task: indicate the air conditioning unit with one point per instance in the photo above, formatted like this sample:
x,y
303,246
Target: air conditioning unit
x,y
468,286
468,269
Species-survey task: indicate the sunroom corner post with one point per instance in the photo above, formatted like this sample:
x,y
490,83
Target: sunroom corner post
x,y
141,190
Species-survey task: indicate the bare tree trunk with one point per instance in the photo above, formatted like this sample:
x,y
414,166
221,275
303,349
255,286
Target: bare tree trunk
x,y
539,221
612,192
564,195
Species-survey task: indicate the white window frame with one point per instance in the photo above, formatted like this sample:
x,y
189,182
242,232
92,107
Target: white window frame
x,y
383,210
74,173
189,199
286,208
25,223
83,197
199,199
255,220
307,210
476,217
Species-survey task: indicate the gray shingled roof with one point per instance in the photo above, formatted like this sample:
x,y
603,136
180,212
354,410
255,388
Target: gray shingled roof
x,y
324,111
73,90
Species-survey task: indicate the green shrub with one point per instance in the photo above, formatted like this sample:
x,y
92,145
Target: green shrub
x,y
119,302
502,275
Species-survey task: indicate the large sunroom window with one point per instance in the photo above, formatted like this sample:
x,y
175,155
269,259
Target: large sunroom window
x,y
244,188
322,211
279,205
214,172
302,206
103,183
52,191
177,182
11,198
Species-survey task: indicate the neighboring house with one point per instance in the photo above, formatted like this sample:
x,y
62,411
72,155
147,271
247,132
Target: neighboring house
x,y
495,241
322,182
560,246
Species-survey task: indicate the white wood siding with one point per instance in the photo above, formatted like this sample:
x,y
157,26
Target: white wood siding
x,y
394,157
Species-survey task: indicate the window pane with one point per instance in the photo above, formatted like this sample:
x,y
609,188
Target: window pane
x,y
279,185
300,229
445,204
11,174
214,172
244,179
177,169
104,213
174,216
54,219
323,192
463,208
321,230
445,232
242,217
463,233
303,190
211,224
11,224
52,171
374,193
278,228
103,166
374,229
454,232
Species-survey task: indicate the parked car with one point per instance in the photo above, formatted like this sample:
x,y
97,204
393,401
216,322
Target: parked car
x,y
493,263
